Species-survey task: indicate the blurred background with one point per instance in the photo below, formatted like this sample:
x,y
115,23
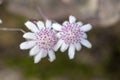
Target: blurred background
x,y
102,62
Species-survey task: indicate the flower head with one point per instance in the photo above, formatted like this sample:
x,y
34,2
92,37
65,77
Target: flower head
x,y
40,40
71,35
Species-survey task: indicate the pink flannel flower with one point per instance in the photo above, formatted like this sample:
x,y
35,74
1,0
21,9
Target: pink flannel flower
x,y
41,40
71,35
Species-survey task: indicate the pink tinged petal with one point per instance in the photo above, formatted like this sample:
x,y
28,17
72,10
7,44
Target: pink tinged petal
x,y
40,24
29,35
51,55
86,43
72,19
71,51
79,23
86,27
63,47
31,26
38,57
58,44
78,46
27,44
35,50
48,24
56,26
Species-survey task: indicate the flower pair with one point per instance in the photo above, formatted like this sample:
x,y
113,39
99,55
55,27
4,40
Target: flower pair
x,y
46,38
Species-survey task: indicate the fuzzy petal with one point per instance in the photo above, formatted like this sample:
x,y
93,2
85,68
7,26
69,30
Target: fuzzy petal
x,y
86,43
27,44
71,51
48,24
29,35
58,44
56,26
78,46
35,50
31,26
38,57
86,27
63,47
51,55
72,19
40,24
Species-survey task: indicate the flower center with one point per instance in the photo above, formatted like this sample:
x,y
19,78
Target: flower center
x,y
71,33
46,39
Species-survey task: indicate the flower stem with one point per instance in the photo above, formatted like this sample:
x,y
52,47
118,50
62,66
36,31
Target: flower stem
x,y
12,29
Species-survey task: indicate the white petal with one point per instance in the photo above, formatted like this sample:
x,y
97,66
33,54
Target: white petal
x,y
79,23
71,51
48,24
65,23
29,35
56,26
31,26
58,35
84,35
78,46
35,50
86,43
40,24
38,57
72,19
51,55
44,54
58,44
27,44
86,27
63,47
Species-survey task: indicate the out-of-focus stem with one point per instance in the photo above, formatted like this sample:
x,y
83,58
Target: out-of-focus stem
x,y
12,29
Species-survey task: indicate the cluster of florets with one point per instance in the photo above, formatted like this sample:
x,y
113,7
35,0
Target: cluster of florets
x,y
46,38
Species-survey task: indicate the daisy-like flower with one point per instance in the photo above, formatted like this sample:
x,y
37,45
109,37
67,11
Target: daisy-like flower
x,y
71,35
40,40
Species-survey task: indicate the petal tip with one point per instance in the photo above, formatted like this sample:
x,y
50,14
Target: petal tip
x,y
71,58
90,46
72,19
21,46
36,61
89,25
27,23
71,52
51,60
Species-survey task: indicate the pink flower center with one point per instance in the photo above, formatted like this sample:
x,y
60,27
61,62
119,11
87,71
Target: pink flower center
x,y
46,39
71,33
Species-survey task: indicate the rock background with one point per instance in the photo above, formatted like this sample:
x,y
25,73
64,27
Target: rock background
x,y
102,62
98,12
